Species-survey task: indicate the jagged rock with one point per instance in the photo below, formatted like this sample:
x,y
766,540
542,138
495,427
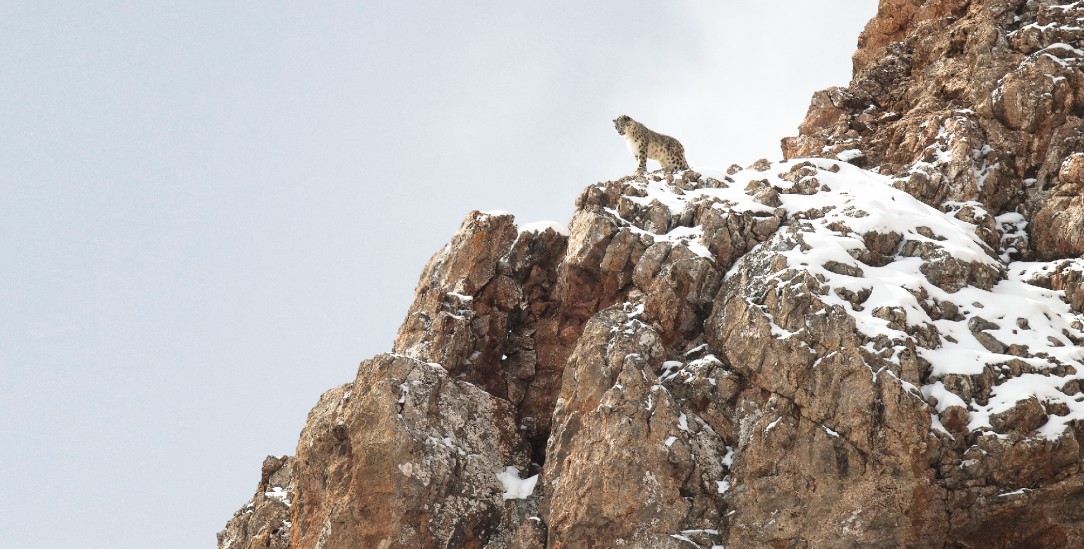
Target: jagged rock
x,y
445,324
1061,233
1026,416
967,101
761,165
1071,175
541,333
1045,517
625,463
1064,276
405,456
264,522
486,308
812,377
812,439
843,351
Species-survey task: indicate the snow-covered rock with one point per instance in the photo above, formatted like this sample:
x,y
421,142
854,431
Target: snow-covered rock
x,y
879,345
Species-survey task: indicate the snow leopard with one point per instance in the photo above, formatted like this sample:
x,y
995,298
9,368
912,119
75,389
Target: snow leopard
x,y
646,144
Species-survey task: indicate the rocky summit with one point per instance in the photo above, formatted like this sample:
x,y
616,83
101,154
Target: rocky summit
x,y
877,342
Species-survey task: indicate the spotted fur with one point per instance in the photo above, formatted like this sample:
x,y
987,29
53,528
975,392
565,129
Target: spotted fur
x,y
646,144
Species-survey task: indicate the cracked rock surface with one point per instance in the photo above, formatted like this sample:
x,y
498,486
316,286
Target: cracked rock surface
x,y
875,343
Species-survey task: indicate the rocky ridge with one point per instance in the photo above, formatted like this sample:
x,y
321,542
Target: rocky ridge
x,y
843,351
968,100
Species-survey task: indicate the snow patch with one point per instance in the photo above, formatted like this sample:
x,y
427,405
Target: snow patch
x,y
514,486
279,494
850,154
1033,328
683,422
773,424
728,459
721,486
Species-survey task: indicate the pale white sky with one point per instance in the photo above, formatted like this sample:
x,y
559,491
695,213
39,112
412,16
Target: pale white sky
x,y
210,213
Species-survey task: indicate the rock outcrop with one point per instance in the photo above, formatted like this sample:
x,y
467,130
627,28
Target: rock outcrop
x,y
875,343
968,100
264,523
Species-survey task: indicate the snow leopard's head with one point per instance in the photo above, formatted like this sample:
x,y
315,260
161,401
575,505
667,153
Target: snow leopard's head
x,y
621,122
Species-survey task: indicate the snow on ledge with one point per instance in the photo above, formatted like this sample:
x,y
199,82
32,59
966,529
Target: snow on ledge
x,y
850,154
515,487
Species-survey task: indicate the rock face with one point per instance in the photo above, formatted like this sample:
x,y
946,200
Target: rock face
x,y
968,101
842,350
264,522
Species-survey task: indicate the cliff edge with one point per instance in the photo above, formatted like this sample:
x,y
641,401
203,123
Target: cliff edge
x,y
876,342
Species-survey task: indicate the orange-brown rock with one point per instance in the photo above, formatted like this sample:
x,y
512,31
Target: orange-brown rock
x,y
826,352
737,386
486,309
627,463
967,101
405,456
264,522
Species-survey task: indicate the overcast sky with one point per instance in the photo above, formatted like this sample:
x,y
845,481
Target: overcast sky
x,y
210,212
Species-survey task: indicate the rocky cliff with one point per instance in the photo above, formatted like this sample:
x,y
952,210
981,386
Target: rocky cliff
x,y
874,343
